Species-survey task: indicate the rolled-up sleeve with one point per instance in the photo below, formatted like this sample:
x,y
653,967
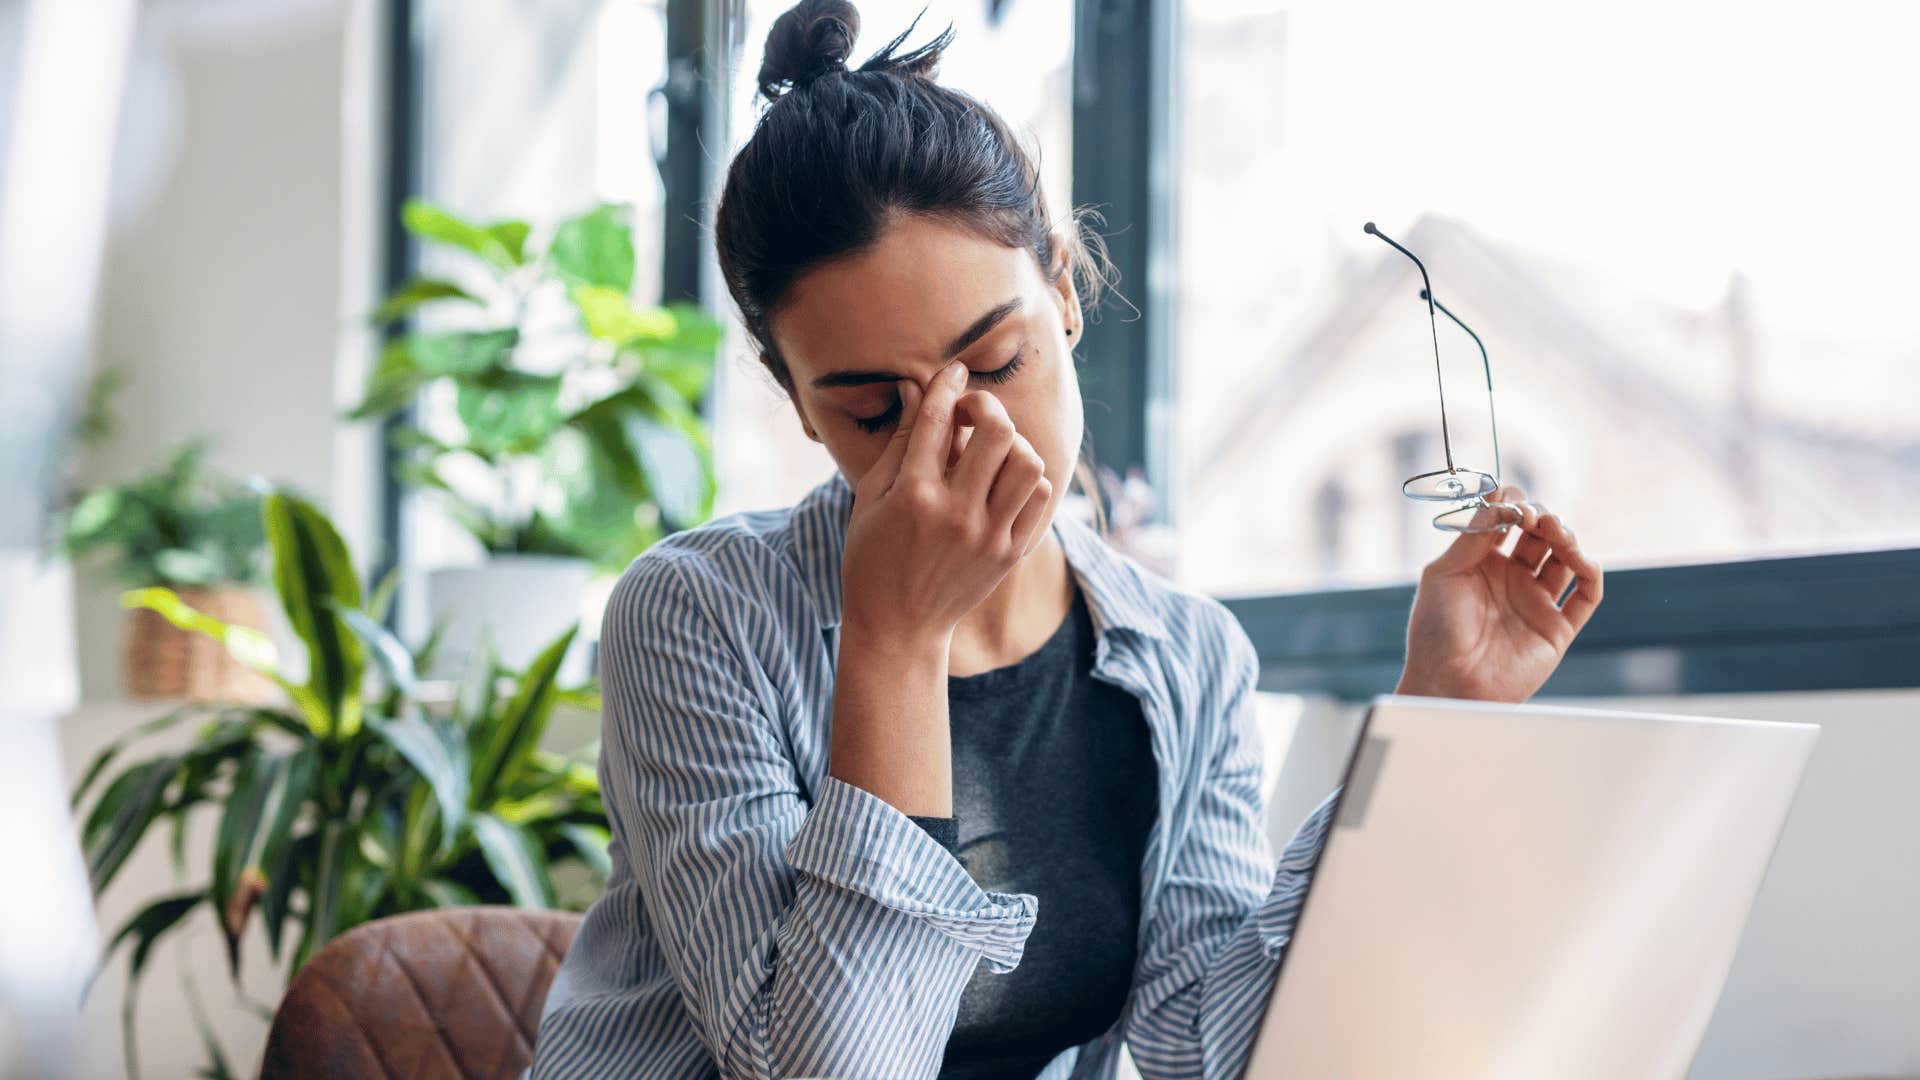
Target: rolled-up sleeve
x,y
822,936
1215,938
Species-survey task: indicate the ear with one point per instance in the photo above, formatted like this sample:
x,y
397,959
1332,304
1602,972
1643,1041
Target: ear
x,y
1069,294
805,424
784,378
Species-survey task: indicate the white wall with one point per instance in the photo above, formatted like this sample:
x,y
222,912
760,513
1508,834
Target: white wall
x,y
1827,979
242,245
221,294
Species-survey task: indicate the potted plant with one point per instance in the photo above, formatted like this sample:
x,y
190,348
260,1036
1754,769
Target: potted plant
x,y
191,530
359,795
568,437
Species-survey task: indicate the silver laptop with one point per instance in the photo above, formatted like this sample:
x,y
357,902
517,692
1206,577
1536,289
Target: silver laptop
x,y
1528,891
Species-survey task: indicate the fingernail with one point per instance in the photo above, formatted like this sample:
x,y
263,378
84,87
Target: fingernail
x,y
954,369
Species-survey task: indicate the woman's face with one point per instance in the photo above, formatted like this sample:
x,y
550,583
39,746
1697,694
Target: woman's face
x,y
924,294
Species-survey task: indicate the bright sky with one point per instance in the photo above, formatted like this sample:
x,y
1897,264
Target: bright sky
x,y
1668,143
1664,143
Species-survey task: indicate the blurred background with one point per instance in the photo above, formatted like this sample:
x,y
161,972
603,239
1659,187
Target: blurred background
x,y
408,309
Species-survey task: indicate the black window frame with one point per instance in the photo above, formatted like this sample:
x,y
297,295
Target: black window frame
x,y
1819,622
1806,623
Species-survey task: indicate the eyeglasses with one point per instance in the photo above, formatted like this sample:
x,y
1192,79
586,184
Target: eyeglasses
x,y
1468,487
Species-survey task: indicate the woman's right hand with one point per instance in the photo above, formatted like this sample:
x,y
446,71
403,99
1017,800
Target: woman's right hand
x,y
926,543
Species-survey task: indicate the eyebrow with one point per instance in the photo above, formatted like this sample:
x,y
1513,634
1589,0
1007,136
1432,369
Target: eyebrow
x,y
979,329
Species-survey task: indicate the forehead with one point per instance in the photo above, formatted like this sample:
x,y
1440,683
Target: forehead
x,y
896,305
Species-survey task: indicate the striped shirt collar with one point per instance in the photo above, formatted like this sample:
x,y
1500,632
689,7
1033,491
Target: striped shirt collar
x,y
1118,595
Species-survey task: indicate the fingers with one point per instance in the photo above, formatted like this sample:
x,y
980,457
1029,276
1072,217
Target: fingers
x,y
927,430
1530,600
1530,551
986,448
1026,527
886,468
999,468
1544,562
1469,548
1580,569
962,432
1555,575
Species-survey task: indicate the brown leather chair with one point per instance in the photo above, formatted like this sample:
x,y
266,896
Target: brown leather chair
x,y
449,993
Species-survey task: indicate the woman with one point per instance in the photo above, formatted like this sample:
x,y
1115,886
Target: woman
x,y
855,747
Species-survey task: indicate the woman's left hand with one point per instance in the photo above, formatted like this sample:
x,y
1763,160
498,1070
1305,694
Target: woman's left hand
x,y
1485,625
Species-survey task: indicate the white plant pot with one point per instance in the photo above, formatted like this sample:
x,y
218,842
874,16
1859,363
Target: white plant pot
x,y
520,602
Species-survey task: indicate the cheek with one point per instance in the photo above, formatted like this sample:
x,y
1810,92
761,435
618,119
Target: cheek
x,y
1047,412
1065,417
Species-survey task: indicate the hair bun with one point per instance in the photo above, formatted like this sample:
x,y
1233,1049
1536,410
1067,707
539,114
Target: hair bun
x,y
807,41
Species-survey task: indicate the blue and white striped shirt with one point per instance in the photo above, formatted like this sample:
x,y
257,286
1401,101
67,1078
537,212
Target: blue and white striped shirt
x,y
764,919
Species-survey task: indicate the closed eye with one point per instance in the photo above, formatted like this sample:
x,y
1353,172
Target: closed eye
x,y
873,424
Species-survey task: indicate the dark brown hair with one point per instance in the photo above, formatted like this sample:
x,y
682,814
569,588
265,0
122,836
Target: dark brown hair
x,y
840,151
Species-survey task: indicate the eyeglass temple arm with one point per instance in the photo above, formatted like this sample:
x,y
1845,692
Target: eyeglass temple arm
x,y
1485,364
1446,441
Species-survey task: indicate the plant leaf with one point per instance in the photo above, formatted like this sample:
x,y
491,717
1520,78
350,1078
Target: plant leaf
x,y
323,919
431,222
380,601
254,839
421,290
245,644
462,353
316,581
516,861
122,815
676,468
218,1069
689,373
439,755
522,723
241,818
144,928
479,690
365,887
301,852
429,650
185,566
513,237
585,698
93,516
611,316
392,656
595,248
686,360
446,893
509,412
591,842
392,383
112,750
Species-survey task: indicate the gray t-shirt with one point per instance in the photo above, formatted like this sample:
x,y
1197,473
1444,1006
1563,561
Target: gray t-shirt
x,y
1053,794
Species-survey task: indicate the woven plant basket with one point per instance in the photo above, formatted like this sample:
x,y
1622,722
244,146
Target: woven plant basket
x,y
164,661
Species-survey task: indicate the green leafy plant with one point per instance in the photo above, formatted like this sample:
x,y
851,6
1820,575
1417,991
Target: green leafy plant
x,y
367,795
181,525
579,412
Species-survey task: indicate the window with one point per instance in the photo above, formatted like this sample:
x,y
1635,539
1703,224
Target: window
x,y
536,112
1682,241
1686,245
1014,55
